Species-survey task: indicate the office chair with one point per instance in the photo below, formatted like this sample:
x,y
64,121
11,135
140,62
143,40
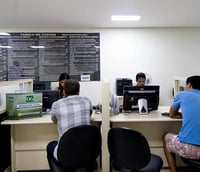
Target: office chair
x,y
78,150
130,151
194,164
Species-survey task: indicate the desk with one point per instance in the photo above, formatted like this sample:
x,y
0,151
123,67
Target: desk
x,y
29,138
152,116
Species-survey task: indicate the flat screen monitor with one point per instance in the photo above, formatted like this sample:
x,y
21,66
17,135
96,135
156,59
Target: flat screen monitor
x,y
133,93
48,97
121,83
41,85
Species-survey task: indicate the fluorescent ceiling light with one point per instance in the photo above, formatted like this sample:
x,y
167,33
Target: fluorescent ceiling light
x,y
4,33
125,18
5,46
37,46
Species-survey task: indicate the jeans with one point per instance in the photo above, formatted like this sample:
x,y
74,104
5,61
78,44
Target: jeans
x,y
50,149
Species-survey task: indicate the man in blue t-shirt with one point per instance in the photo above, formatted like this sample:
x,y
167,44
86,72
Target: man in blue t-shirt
x,y
187,143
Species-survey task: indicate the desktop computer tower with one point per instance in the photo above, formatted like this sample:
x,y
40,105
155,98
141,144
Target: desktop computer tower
x,y
120,83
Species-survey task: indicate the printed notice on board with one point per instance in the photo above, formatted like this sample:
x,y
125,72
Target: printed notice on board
x,y
43,56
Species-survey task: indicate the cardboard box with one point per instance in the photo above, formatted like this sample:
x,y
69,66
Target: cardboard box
x,y
23,105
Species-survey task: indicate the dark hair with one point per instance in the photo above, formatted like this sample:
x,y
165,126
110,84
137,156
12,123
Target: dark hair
x,y
194,81
71,87
140,75
63,76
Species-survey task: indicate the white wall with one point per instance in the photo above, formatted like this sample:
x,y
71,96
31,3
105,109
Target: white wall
x,y
162,53
92,90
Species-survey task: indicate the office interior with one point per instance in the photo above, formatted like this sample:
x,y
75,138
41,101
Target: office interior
x,y
162,52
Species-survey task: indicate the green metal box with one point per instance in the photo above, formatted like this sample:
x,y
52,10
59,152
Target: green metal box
x,y
23,105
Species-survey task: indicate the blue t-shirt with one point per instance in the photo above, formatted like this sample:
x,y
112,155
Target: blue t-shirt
x,y
189,103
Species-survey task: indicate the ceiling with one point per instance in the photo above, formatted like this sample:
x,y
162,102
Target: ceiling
x,y
97,13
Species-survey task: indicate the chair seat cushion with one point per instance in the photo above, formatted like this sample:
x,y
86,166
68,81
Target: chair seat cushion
x,y
154,165
57,167
192,162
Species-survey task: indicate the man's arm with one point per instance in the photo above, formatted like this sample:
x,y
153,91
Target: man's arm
x,y
174,113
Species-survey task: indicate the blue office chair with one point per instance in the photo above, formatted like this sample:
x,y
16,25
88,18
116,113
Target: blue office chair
x,y
129,151
78,150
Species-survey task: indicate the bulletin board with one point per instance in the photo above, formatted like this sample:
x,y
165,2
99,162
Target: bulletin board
x,y
43,56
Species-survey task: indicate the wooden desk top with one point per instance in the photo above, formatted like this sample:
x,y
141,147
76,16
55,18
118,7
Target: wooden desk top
x,y
45,119
153,116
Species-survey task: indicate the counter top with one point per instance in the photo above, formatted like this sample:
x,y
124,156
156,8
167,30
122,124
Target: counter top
x,y
152,116
45,119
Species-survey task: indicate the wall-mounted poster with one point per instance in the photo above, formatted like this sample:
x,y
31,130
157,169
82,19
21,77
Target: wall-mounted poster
x,y
43,56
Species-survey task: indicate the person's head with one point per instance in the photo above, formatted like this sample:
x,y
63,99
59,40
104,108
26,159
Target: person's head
x,y
140,79
193,82
71,87
62,78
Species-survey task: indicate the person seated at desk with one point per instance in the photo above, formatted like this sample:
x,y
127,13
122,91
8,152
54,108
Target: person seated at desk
x,y
140,79
62,78
70,111
187,143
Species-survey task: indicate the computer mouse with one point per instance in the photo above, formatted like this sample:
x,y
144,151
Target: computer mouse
x,y
165,113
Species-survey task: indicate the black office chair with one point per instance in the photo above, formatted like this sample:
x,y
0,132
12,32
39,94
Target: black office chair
x,y
194,164
129,151
78,150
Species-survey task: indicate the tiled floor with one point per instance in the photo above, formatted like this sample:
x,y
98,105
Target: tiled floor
x,y
184,169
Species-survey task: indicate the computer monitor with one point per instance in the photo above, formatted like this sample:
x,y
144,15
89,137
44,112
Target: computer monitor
x,y
48,97
133,93
121,83
41,85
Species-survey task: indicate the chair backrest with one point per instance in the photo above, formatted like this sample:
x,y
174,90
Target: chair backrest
x,y
128,148
79,146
